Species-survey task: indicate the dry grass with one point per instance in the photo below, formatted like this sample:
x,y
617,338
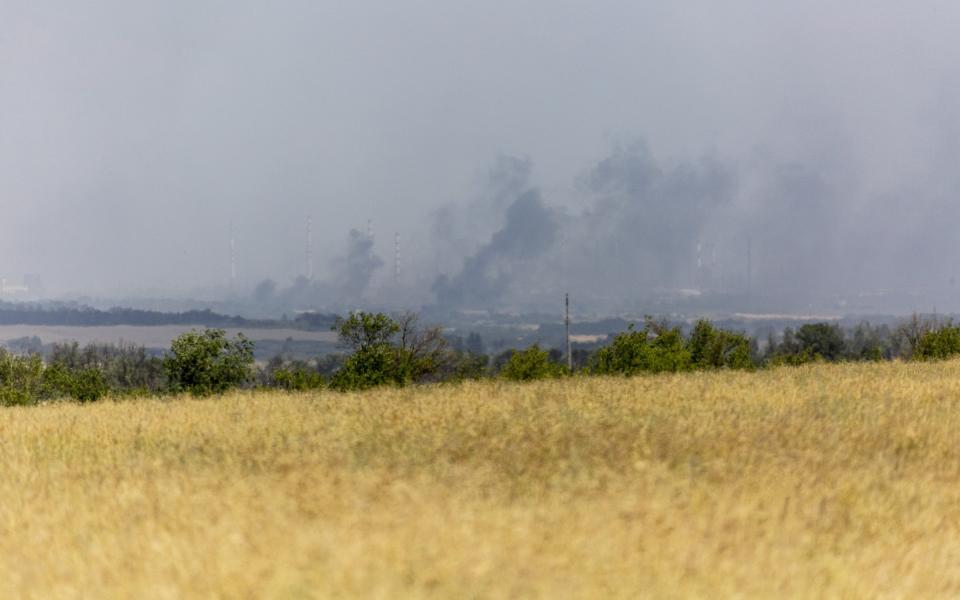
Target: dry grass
x,y
816,481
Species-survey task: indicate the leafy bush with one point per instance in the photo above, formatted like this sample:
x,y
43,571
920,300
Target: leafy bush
x,y
25,380
531,364
626,354
125,368
466,365
713,348
85,385
21,379
389,350
297,378
655,349
938,344
795,359
366,368
206,362
822,339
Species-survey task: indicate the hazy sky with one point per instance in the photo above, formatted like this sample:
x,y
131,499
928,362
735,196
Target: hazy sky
x,y
133,133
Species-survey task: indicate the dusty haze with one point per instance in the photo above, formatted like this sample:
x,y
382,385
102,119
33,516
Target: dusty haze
x,y
516,147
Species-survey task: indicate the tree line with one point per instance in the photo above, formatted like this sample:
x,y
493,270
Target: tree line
x,y
56,313
397,350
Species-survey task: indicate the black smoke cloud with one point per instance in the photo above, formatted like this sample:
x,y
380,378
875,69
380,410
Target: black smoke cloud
x,y
643,226
352,274
643,220
355,269
529,230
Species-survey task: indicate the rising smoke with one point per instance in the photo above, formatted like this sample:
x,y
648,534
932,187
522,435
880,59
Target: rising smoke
x,y
352,273
528,231
354,270
645,226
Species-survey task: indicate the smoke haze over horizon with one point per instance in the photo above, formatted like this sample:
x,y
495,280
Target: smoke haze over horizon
x,y
513,146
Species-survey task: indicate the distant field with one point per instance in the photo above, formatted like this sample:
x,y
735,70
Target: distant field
x,y
150,336
821,481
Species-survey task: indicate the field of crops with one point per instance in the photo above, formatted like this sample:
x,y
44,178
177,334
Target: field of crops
x,y
827,480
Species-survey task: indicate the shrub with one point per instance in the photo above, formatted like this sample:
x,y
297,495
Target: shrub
x,y
389,351
25,380
531,364
206,362
822,339
655,349
938,344
366,368
125,367
794,360
626,354
21,379
713,348
297,378
85,385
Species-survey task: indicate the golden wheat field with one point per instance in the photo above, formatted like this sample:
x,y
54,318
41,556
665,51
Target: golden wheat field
x,y
828,480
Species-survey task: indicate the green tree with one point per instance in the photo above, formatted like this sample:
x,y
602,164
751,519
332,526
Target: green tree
x,y
388,350
531,364
207,362
626,354
938,344
657,348
714,348
822,339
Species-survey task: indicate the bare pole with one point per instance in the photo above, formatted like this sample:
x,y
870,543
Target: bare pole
x,y
566,321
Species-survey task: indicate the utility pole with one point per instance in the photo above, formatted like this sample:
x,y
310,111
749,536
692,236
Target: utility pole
x,y
566,301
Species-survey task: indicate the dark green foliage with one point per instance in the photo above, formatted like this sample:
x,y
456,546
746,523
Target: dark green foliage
x,y
85,385
21,379
531,364
655,349
626,354
297,378
794,359
466,365
500,360
938,344
905,340
822,339
389,350
206,362
814,342
363,330
26,380
667,350
374,360
713,348
291,375
366,368
125,368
